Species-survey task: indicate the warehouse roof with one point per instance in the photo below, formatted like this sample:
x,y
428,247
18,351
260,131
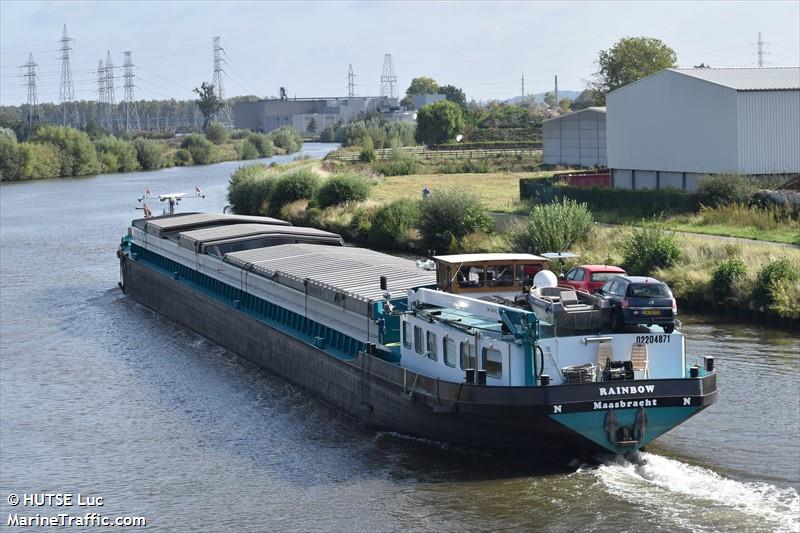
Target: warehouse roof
x,y
593,109
747,79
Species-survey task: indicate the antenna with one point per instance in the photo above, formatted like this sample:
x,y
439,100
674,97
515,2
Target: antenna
x,y
523,88
388,78
33,100
101,94
129,112
66,96
351,84
761,53
224,114
111,101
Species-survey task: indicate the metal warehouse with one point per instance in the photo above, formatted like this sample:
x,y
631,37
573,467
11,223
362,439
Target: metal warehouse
x,y
671,128
577,138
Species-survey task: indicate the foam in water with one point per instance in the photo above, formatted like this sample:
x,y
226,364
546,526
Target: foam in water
x,y
678,490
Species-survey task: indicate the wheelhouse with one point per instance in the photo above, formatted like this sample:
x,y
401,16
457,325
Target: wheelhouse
x,y
487,273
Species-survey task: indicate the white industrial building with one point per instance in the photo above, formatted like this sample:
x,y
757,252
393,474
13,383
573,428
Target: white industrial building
x,y
576,139
677,125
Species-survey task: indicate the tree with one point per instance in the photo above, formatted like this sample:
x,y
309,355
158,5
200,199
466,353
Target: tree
x,y
550,99
565,105
702,65
438,123
584,100
208,102
454,94
422,85
312,126
630,59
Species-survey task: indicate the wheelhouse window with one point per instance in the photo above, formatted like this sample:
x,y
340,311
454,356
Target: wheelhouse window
x,y
449,350
470,277
492,361
500,275
432,349
467,355
406,334
419,341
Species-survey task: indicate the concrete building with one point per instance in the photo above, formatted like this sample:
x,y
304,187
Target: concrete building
x,y
576,139
300,113
420,100
671,128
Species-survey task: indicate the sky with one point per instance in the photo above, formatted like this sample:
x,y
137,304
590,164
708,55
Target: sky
x,y
482,47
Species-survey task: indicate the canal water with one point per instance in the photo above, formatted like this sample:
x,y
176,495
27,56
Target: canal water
x,y
100,396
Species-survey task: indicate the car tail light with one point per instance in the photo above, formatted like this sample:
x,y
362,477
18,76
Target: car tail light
x,y
674,306
624,303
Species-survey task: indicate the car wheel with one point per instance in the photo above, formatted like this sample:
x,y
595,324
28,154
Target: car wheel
x,y
669,329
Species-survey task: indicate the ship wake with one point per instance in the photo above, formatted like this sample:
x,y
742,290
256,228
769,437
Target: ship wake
x,y
688,495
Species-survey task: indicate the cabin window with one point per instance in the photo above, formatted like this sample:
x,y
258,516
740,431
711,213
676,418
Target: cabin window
x,y
500,275
449,346
470,277
432,350
492,362
467,355
406,334
525,273
419,347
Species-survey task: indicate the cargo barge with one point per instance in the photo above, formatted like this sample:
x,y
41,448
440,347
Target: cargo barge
x,y
410,350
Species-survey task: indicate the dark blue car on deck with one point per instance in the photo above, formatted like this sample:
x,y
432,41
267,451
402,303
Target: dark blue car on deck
x,y
640,300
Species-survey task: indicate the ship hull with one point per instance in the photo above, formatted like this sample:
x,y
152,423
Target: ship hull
x,y
561,419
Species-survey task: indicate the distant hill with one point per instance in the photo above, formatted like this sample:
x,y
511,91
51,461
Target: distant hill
x,y
539,97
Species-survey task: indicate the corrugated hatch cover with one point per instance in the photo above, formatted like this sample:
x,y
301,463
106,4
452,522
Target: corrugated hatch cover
x,y
158,226
348,277
193,239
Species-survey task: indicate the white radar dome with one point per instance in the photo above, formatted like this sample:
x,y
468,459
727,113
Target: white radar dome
x,y
545,278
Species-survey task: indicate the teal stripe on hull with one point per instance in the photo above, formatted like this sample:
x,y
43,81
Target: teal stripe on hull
x,y
592,424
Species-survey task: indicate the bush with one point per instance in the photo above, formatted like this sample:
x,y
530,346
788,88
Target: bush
x,y
287,138
123,152
239,134
342,188
726,275
328,135
76,152
635,203
249,189
247,150
393,223
216,133
182,157
648,248
291,187
367,154
201,148
723,189
11,159
554,227
263,144
773,280
467,166
8,134
439,123
401,164
450,214
148,153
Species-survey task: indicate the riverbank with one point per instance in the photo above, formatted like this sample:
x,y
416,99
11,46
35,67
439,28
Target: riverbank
x,y
761,279
56,151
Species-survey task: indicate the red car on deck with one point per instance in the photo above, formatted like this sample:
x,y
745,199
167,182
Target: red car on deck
x,y
590,278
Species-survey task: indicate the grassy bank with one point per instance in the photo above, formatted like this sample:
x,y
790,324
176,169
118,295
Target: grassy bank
x,y
56,151
388,213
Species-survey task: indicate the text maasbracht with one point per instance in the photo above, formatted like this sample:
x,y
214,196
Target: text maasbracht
x,y
632,389
623,404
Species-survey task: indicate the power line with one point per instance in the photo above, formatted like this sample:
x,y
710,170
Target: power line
x,y
33,100
761,52
351,83
388,78
224,113
66,96
130,114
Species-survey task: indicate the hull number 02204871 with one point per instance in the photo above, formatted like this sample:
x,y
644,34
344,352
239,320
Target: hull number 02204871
x,y
652,339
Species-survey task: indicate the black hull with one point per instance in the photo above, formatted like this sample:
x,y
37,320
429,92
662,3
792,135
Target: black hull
x,y
383,395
